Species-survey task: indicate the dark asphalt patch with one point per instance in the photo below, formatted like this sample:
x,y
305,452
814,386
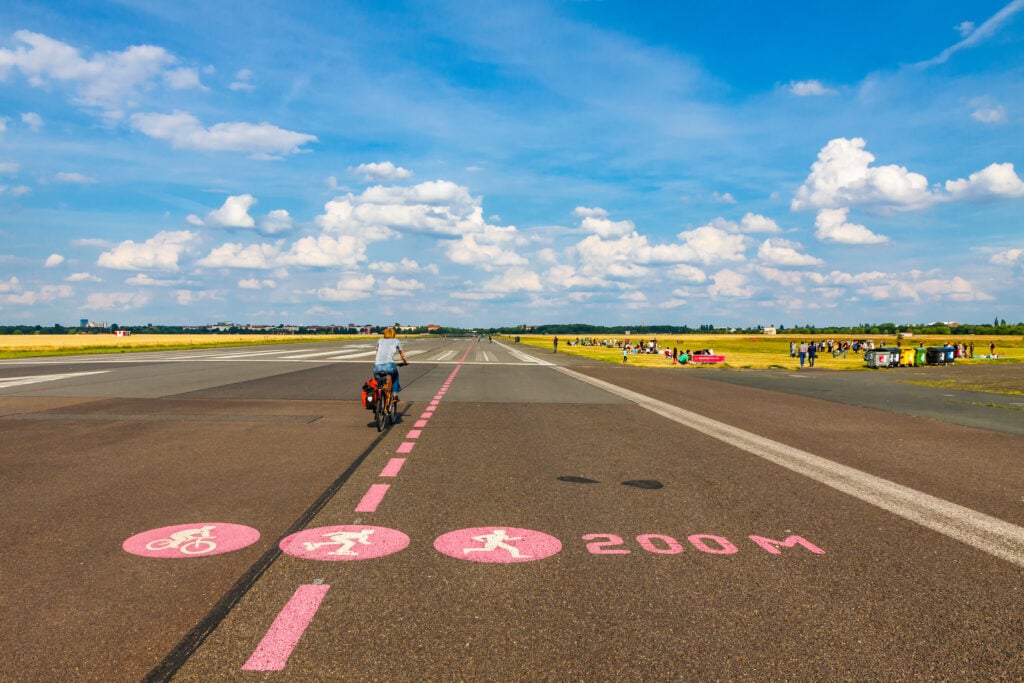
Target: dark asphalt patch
x,y
644,484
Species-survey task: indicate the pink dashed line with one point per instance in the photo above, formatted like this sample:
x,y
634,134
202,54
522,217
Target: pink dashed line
x,y
420,424
414,434
427,414
273,651
373,498
406,447
392,468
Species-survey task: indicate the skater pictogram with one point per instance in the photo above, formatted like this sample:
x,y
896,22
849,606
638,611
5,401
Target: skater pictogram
x,y
498,545
334,543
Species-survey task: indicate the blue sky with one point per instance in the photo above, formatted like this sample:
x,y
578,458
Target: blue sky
x,y
497,163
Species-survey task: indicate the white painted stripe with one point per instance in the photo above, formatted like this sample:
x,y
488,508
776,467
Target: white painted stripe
x,y
7,382
984,532
525,357
310,355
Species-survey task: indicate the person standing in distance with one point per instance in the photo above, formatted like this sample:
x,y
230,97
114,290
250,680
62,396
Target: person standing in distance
x,y
385,361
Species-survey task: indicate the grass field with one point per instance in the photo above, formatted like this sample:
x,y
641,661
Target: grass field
x,y
765,351
24,346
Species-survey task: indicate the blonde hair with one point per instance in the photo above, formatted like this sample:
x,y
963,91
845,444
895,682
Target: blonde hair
x,y
389,333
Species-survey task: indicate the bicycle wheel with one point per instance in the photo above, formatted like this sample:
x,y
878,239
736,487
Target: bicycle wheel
x,y
380,414
392,410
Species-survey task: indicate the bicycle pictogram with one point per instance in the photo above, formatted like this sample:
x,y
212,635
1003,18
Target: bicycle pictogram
x,y
188,541
201,539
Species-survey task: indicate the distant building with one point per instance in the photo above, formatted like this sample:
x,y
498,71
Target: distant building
x,y
84,322
768,330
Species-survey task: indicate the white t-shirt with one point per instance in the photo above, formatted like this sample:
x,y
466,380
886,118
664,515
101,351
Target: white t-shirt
x,y
386,350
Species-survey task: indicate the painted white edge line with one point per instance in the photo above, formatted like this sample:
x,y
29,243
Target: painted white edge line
x,y
984,532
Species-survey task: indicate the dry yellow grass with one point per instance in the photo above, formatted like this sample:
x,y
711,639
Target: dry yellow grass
x,y
63,343
766,351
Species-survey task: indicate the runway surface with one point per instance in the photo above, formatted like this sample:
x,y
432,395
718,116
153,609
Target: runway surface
x,y
232,515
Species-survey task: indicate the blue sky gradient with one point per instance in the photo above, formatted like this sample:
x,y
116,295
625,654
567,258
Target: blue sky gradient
x,y
486,163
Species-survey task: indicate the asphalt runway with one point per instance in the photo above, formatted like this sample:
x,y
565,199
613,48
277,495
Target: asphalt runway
x,y
231,515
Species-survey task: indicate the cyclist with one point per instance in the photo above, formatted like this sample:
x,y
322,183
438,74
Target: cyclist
x,y
384,363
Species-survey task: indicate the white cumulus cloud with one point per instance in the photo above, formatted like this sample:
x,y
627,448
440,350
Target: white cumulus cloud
x,y
780,252
809,88
384,170
831,226
994,181
234,213
843,176
1008,257
185,131
160,252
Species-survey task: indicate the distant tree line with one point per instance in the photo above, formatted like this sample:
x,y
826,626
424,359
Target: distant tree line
x,y
997,327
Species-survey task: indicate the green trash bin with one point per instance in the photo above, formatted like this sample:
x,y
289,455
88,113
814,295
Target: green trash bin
x,y
920,356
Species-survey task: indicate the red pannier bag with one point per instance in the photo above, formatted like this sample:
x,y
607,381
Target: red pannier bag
x,y
369,393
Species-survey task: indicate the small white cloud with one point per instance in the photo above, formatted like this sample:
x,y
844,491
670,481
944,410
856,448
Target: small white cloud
x,y
595,221
812,88
9,167
994,181
275,222
82,277
253,283
687,273
990,114
184,131
143,280
725,198
234,213
54,260
395,287
123,301
384,170
349,288
243,81
831,226
756,223
780,252
74,178
964,28
729,283
32,120
1008,257
183,79
234,255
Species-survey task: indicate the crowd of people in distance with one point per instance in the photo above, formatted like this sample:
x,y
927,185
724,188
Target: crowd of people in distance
x,y
808,352
641,346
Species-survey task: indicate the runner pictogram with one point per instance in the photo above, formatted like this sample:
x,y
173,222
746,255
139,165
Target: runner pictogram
x,y
191,540
334,543
498,545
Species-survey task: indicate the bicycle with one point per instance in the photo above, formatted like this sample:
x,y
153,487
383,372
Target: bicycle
x,y
385,408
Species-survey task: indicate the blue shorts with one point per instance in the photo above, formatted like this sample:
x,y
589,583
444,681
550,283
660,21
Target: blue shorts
x,y
389,369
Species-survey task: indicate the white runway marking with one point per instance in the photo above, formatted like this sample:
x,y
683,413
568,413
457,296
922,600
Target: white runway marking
x,y
35,379
986,533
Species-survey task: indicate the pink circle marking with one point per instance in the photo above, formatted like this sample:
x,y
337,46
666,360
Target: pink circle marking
x,y
497,544
201,539
341,543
